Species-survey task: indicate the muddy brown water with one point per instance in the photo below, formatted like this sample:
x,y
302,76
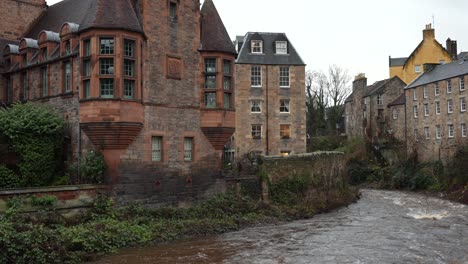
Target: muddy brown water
x,y
383,227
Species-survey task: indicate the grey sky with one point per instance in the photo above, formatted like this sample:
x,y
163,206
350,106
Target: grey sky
x,y
358,35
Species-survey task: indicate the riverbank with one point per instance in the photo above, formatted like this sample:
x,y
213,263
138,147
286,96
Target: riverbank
x,y
48,238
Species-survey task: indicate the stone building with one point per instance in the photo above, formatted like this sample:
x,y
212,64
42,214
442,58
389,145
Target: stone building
x,y
366,109
270,96
150,84
436,104
428,51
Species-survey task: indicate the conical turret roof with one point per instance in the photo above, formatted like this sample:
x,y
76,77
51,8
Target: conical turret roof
x,y
214,36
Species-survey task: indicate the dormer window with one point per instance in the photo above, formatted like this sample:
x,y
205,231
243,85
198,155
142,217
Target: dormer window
x,y
281,47
44,54
67,47
257,46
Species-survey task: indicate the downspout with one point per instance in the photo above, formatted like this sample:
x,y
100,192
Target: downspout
x,y
267,152
406,127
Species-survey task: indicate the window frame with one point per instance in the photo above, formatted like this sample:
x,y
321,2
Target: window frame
x,y
449,86
157,154
451,130
45,81
449,106
427,133
462,104
284,50
436,89
208,102
437,106
417,68
256,131
425,92
189,142
285,79
461,80
67,76
415,94
259,106
426,109
463,129
285,131
395,114
256,76
379,99
285,104
438,131
256,46
415,111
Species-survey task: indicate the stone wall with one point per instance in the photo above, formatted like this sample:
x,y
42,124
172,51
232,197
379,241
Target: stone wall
x,y
69,198
17,16
326,169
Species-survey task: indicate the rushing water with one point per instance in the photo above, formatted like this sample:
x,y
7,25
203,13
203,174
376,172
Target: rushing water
x,y
383,227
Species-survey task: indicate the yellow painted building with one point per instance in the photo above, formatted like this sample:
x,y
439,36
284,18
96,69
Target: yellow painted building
x,y
429,51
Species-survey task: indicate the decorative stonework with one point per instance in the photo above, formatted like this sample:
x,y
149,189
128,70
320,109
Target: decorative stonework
x,y
174,68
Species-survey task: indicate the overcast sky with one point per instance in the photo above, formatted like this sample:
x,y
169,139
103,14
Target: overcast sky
x,y
358,35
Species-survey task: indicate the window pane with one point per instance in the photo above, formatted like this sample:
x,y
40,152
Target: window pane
x,y
227,67
106,66
284,106
129,48
67,77
188,149
210,81
227,83
129,68
256,76
87,88
284,76
281,47
87,68
210,100
44,82
255,106
173,11
210,65
107,45
87,47
107,88
156,143
256,131
257,46
129,87
227,100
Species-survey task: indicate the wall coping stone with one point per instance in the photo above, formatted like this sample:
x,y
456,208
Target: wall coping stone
x,y
31,190
304,155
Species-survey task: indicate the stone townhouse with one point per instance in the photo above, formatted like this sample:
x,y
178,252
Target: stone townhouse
x,y
148,83
429,50
366,109
270,96
436,104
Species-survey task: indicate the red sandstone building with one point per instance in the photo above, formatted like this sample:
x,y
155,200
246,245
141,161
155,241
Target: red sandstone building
x,y
148,83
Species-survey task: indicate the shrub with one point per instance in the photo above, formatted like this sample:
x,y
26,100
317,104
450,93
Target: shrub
x,y
92,168
8,179
36,134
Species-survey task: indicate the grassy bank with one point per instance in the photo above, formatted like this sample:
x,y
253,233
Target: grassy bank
x,y
48,238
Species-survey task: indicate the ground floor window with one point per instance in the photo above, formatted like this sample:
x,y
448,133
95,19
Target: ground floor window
x,y
188,149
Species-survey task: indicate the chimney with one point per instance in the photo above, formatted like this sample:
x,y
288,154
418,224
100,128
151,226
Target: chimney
x,y
428,33
360,83
452,48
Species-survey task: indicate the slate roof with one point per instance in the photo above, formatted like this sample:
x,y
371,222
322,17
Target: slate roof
x,y
3,43
397,61
268,57
214,36
441,72
401,100
377,87
117,14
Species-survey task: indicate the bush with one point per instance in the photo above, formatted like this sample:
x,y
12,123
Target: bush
x,y
36,134
92,168
8,179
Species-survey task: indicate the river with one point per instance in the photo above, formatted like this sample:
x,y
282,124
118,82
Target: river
x,y
383,227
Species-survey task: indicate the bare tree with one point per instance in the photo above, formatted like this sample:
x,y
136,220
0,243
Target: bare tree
x,y
338,89
316,102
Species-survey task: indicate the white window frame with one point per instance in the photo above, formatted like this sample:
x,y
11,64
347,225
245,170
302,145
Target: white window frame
x,y
463,129
451,130
449,86
438,132
462,83
252,105
281,47
256,46
426,109
449,106
425,92
380,99
284,80
437,107
252,131
188,148
415,94
254,70
463,104
285,103
436,89
417,68
415,111
156,148
427,133
395,114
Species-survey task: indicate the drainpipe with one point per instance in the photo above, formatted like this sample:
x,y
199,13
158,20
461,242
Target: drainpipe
x,y
267,152
406,127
